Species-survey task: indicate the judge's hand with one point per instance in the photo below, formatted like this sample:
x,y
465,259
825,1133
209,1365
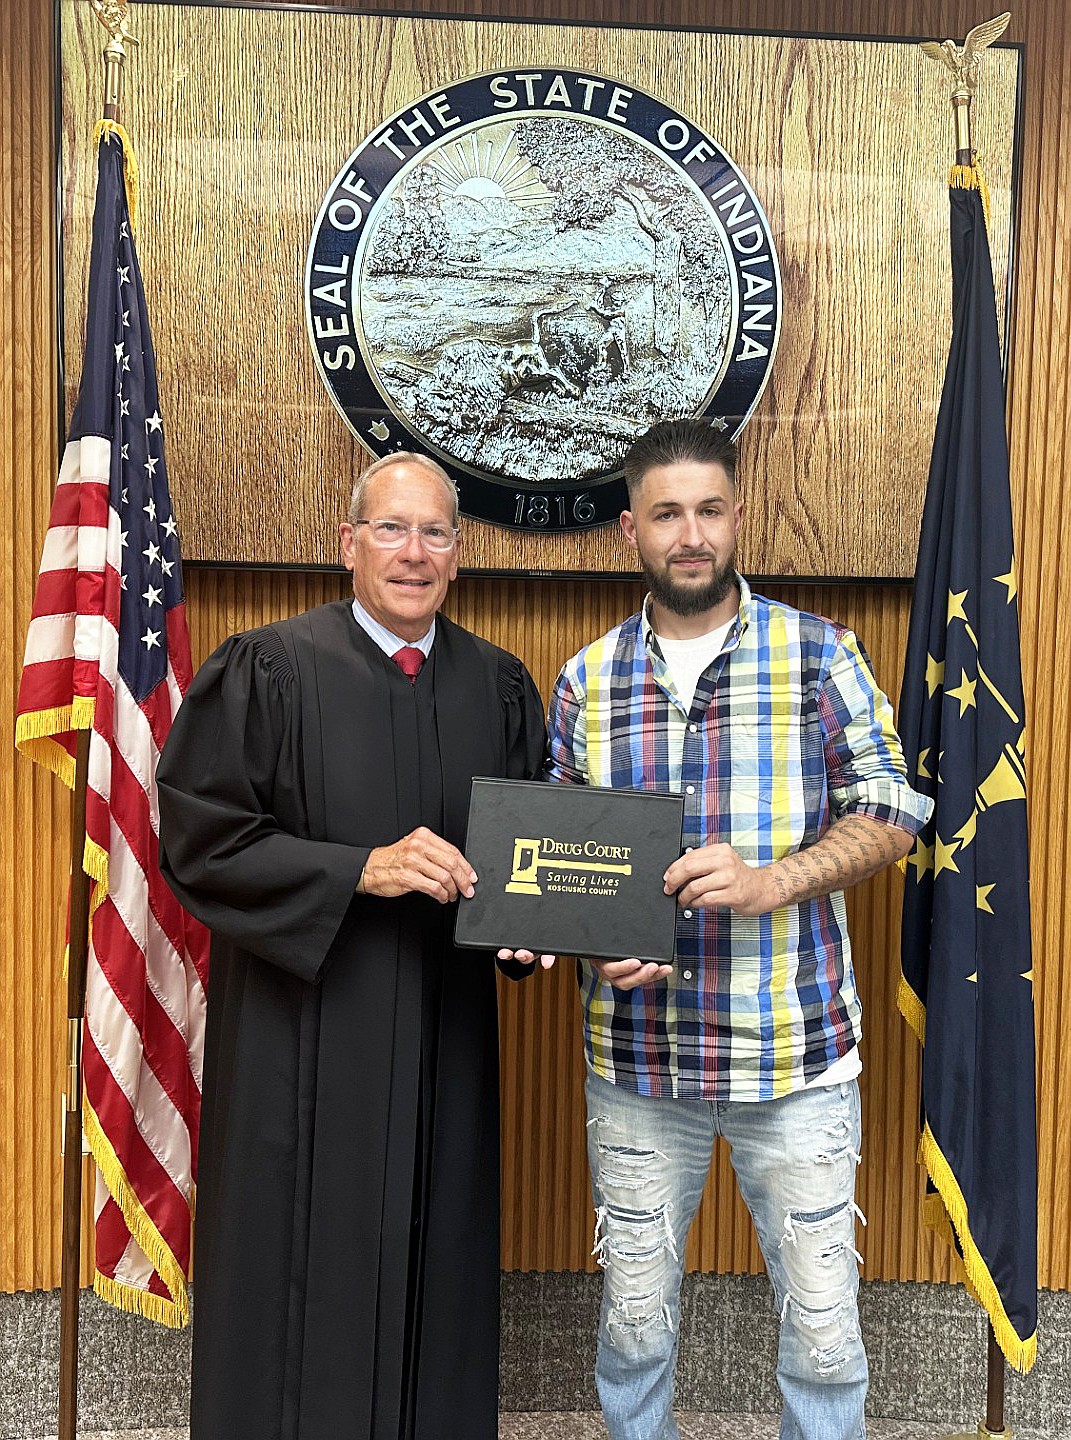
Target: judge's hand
x,y
526,957
420,862
629,974
716,875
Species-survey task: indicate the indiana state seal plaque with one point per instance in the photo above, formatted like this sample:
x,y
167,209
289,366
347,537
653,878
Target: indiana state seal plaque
x,y
521,272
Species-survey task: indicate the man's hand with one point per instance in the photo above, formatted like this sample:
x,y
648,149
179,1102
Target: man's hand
x,y
852,849
526,957
716,875
421,862
629,974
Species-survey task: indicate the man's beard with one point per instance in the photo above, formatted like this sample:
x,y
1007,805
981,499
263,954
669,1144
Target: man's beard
x,y
680,599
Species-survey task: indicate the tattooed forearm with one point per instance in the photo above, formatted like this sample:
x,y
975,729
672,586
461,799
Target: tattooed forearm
x,y
851,850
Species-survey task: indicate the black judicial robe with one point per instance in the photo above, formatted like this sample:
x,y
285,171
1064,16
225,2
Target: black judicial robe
x,y
347,1266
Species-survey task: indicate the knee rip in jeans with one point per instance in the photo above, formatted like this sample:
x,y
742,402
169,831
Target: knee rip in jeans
x,y
638,1314
633,1239
822,1223
831,1232
834,1329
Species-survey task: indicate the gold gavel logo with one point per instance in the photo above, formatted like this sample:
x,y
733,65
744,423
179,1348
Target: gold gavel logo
x,y
525,877
528,861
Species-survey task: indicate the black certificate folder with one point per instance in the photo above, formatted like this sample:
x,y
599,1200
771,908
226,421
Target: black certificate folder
x,y
571,870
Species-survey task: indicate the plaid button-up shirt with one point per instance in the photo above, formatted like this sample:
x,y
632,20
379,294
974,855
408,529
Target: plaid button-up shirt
x,y
787,732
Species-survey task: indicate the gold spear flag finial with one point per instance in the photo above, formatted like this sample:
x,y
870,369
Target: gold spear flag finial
x,y
962,61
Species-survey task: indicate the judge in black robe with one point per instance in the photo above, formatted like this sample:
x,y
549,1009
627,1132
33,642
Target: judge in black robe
x,y
348,1200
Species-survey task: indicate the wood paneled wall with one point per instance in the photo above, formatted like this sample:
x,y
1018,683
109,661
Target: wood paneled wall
x,y
34,845
847,242
546,1211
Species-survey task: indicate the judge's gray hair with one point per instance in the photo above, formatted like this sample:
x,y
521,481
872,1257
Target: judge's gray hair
x,y
410,457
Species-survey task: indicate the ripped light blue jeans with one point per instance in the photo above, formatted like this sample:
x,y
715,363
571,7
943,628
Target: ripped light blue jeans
x,y
795,1160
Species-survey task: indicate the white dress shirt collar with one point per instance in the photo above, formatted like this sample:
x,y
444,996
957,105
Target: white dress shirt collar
x,y
387,641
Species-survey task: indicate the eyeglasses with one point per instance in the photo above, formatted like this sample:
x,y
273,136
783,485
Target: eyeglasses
x,y
392,535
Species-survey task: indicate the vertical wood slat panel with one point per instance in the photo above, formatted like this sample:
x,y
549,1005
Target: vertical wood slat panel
x,y
546,1208
1040,425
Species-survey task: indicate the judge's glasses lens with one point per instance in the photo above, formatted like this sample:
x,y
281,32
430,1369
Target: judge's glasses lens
x,y
392,535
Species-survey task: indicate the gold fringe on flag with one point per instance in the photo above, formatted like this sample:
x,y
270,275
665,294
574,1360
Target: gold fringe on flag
x,y
95,864
912,1009
36,730
35,736
970,177
174,1310
945,1213
131,174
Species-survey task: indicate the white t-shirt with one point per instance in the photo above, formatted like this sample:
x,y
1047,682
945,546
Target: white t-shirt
x,y
840,1072
686,660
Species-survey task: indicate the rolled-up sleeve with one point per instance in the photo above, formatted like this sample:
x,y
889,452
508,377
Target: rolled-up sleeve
x,y
567,731
865,768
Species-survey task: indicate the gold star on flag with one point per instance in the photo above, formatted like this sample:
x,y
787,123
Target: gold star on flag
x,y
964,693
1028,975
955,606
922,859
921,768
973,977
1009,580
935,674
966,833
943,854
981,897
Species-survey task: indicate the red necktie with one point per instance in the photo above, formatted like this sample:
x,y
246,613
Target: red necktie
x,y
409,659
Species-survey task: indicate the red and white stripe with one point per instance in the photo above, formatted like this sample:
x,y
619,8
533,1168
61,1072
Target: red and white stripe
x,y
145,992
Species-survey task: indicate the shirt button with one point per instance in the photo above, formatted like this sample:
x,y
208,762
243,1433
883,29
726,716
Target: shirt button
x,y
693,727
687,974
689,790
687,914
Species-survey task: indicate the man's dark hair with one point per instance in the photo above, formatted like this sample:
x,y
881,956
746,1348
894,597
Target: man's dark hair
x,y
676,442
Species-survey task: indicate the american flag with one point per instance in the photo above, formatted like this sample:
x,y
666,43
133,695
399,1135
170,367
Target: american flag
x,y
108,650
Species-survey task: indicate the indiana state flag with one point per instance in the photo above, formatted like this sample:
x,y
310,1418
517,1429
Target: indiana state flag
x,y
967,984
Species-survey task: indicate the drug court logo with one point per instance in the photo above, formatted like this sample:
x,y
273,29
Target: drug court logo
x,y
524,270
580,867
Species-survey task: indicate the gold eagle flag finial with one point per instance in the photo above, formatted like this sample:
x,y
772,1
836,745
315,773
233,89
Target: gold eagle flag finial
x,y
962,61
112,15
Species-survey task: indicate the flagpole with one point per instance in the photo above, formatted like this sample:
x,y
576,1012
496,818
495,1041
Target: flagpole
x,y
993,1427
963,62
77,959
994,1400
112,17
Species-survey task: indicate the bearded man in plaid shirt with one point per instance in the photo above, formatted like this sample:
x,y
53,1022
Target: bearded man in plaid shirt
x,y
770,722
